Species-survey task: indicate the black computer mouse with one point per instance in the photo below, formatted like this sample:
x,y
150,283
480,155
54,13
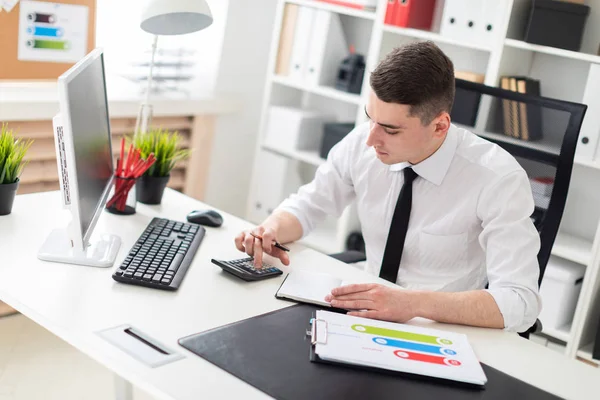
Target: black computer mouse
x,y
205,217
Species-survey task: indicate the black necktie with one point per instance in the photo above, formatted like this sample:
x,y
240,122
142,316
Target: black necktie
x,y
398,228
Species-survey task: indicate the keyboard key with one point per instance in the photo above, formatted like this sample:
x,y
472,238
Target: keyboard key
x,y
147,277
175,263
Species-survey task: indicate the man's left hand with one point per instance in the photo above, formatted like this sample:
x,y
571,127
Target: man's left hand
x,y
375,301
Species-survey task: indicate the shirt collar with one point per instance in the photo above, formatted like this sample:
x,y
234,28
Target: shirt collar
x,y
435,167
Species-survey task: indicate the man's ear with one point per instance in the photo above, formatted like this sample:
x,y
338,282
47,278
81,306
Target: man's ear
x,y
441,124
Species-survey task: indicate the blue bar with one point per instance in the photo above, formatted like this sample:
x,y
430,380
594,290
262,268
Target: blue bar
x,y
425,348
45,31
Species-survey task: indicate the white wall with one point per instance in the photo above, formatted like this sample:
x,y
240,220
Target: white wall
x,y
118,32
242,74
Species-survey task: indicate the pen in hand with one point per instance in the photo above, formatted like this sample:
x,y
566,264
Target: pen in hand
x,y
277,244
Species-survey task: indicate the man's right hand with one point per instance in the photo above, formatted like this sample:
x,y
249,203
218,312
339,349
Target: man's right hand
x,y
255,247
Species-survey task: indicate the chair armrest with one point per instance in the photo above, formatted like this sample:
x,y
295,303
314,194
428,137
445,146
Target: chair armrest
x,y
350,256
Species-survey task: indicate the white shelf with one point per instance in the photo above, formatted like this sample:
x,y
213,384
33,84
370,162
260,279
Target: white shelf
x,y
334,8
309,157
545,147
433,36
586,353
586,163
572,248
324,91
563,333
519,44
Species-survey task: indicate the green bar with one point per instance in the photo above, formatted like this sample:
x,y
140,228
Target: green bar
x,y
51,44
391,333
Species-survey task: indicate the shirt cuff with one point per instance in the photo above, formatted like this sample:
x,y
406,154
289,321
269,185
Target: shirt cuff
x,y
519,310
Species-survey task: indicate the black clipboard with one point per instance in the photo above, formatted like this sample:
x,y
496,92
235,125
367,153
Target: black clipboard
x,y
272,352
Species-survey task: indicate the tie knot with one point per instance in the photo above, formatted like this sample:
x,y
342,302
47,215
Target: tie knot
x,y
409,175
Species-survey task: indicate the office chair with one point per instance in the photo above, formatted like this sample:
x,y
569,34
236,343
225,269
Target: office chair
x,y
541,133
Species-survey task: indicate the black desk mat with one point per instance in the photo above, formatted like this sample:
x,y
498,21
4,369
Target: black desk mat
x,y
272,353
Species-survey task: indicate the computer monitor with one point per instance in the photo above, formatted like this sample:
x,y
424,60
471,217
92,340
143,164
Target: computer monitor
x,y
85,165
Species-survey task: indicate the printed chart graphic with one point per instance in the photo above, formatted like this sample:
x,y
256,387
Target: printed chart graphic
x,y
52,32
396,347
412,346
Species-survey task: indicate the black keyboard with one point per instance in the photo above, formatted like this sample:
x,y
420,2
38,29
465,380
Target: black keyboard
x,y
162,255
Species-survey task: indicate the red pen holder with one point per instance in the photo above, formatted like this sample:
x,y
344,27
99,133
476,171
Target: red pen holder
x,y
122,200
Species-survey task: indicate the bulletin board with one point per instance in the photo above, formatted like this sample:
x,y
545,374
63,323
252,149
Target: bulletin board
x,y
11,68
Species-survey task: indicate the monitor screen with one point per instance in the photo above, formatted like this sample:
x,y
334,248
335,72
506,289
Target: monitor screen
x,y
88,109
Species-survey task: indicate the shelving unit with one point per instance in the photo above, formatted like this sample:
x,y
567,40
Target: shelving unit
x,y
563,75
519,44
586,353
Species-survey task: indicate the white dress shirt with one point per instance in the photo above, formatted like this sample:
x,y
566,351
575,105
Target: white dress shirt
x,y
469,224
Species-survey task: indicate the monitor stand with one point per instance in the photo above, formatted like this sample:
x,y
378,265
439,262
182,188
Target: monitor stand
x,y
101,252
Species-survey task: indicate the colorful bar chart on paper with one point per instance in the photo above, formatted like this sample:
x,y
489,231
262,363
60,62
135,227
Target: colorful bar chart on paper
x,y
425,348
409,355
391,333
45,31
48,44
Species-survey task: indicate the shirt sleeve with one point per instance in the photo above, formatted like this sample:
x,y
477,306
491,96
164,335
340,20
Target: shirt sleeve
x,y
511,243
330,191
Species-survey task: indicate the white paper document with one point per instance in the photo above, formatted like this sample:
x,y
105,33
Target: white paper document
x,y
309,287
404,348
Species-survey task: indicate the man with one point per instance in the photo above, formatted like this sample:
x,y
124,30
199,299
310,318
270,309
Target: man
x,y
443,212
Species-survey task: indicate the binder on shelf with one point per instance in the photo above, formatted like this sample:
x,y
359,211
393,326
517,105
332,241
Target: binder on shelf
x,y
286,39
417,14
590,129
300,47
327,49
389,12
473,21
521,120
530,114
295,129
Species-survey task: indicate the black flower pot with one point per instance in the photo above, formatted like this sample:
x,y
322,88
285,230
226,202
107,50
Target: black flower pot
x,y
150,189
8,191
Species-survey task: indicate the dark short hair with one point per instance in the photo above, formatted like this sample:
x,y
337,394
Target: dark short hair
x,y
419,75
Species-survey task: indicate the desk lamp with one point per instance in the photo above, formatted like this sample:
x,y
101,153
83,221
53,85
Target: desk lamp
x,y
169,17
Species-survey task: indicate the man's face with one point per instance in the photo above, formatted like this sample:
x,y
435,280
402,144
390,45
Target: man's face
x,y
396,136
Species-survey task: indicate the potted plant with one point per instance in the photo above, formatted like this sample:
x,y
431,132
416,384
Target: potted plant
x,y
12,154
165,146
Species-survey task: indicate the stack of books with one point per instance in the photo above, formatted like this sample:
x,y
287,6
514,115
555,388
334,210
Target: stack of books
x,y
521,120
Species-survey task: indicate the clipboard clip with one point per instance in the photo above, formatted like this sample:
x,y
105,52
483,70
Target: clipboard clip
x,y
318,331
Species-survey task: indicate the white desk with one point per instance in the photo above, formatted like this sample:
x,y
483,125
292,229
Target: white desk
x,y
74,302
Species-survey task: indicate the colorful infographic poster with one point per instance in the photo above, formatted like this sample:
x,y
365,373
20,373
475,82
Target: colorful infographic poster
x,y
52,32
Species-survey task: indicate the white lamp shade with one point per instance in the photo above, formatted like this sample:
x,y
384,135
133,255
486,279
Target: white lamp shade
x,y
175,17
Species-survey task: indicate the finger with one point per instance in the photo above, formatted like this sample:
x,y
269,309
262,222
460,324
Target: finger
x,y
354,288
239,241
249,245
365,314
269,237
355,296
258,253
353,304
259,230
282,255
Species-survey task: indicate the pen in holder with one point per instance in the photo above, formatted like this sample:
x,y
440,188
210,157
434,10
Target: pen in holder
x,y
123,199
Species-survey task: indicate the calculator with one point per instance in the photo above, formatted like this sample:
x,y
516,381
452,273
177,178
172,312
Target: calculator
x,y
244,268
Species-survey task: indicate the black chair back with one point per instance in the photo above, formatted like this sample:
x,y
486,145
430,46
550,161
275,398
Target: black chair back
x,y
541,133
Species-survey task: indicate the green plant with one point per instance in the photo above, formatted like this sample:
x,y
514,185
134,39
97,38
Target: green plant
x,y
164,145
12,152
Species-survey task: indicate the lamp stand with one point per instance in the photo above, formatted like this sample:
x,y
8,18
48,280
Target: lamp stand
x,y
144,117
